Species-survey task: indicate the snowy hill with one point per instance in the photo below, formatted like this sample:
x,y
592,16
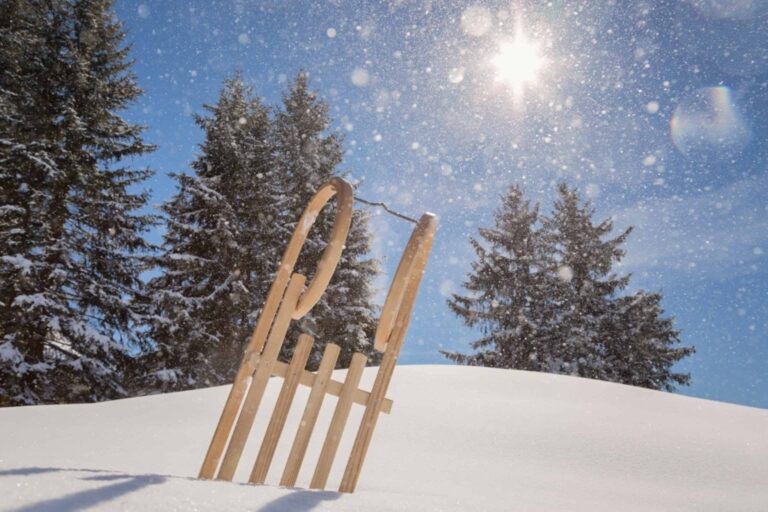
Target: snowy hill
x,y
459,438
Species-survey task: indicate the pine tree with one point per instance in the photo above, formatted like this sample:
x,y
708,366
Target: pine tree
x,y
508,291
71,246
642,351
587,282
606,336
227,228
221,247
307,157
567,313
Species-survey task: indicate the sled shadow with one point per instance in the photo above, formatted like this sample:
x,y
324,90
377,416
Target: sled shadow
x,y
123,484
297,500
27,471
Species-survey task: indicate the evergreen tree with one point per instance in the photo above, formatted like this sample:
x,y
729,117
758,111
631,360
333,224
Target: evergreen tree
x,y
509,291
221,247
71,241
227,228
606,336
642,352
587,283
577,322
307,157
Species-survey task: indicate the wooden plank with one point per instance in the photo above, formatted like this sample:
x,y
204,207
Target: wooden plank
x,y
339,421
247,367
389,360
282,406
368,424
260,378
359,396
308,420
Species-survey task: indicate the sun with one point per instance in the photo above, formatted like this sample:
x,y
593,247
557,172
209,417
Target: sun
x,y
518,63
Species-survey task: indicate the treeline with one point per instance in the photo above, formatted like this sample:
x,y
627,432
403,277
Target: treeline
x,y
544,294
77,321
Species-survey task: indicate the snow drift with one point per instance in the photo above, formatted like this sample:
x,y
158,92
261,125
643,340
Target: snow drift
x,y
458,438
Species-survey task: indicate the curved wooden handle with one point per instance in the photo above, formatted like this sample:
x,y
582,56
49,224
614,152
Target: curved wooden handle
x,y
327,265
412,261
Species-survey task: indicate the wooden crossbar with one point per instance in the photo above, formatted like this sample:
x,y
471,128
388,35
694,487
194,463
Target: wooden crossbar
x,y
359,396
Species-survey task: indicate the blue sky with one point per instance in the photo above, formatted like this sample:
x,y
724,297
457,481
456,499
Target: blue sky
x,y
657,111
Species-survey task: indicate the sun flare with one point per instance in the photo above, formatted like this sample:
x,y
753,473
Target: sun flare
x,y
518,63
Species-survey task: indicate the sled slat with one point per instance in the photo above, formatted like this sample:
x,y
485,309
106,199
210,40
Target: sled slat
x,y
359,396
260,378
307,425
368,424
282,406
338,422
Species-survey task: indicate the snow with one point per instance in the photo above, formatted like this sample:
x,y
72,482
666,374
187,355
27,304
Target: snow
x,y
9,353
458,438
308,222
35,300
18,261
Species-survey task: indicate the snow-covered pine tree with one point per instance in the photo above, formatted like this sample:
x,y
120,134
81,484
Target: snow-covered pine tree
x,y
223,242
71,241
587,283
641,350
606,336
577,321
510,291
306,157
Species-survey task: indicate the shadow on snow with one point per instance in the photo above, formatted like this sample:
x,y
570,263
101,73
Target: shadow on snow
x,y
123,483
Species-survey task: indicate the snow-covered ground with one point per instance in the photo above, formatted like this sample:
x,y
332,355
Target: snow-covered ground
x,y
459,438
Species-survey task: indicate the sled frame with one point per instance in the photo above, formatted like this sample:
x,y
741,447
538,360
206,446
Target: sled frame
x,y
288,299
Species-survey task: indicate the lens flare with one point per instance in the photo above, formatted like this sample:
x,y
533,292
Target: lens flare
x,y
708,123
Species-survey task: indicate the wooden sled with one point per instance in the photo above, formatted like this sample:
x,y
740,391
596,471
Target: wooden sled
x,y
289,299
